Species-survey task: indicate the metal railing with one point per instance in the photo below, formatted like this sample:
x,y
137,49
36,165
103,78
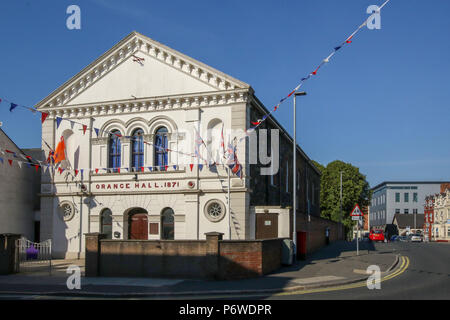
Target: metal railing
x,y
33,256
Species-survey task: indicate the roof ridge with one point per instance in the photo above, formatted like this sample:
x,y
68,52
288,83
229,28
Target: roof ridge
x,y
121,51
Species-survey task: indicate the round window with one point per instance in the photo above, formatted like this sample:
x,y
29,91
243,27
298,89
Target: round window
x,y
215,210
67,210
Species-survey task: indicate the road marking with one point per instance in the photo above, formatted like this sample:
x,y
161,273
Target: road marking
x,y
404,265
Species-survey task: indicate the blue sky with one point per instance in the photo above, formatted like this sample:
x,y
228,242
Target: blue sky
x,y
381,104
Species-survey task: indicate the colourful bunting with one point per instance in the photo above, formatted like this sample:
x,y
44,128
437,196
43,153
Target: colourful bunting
x,y
58,122
44,116
191,166
198,140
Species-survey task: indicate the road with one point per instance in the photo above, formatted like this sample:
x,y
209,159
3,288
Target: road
x,y
426,277
423,274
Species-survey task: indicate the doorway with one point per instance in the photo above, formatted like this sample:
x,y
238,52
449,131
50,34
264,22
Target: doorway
x,y
137,225
266,225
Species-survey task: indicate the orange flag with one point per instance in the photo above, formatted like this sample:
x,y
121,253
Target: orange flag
x,y
60,151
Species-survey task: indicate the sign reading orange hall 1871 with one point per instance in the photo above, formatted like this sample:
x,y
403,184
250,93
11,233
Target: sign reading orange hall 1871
x,y
134,186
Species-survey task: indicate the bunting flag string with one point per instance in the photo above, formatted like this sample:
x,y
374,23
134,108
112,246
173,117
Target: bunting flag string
x,y
198,140
75,172
347,41
58,120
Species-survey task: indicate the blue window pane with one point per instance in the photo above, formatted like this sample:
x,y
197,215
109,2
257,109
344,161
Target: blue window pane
x,y
161,143
114,150
137,150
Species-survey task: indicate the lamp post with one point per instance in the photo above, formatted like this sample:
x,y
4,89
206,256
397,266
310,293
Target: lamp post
x,y
340,214
294,169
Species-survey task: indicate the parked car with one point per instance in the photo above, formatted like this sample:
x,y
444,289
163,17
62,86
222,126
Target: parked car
x,y
376,235
416,238
403,239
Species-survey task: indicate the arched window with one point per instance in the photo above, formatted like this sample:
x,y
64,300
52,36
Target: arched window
x,y
114,150
214,141
167,224
161,155
137,150
106,223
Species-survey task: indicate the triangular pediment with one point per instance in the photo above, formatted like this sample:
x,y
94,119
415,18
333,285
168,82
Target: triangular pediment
x,y
119,75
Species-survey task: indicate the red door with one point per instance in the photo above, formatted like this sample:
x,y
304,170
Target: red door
x,y
138,226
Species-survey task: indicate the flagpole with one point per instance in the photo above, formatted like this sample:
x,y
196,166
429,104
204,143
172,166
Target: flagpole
x,y
229,204
294,171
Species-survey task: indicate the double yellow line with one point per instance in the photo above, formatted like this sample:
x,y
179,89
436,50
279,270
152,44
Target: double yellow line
x,y
403,266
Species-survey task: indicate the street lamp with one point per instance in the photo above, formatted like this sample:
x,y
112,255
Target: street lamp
x,y
294,169
340,214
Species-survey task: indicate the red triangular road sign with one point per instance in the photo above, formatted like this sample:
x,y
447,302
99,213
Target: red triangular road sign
x,y
356,212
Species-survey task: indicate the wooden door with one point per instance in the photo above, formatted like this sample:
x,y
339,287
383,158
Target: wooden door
x,y
266,225
138,226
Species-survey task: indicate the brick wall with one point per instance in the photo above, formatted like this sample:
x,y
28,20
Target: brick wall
x,y
8,253
240,258
266,194
210,258
315,230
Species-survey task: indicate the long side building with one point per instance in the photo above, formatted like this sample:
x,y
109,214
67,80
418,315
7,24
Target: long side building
x,y
129,123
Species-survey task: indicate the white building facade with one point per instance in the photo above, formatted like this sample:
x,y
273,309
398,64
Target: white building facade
x,y
19,186
397,197
116,181
441,221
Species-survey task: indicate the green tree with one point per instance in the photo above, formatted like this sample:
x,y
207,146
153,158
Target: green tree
x,y
355,190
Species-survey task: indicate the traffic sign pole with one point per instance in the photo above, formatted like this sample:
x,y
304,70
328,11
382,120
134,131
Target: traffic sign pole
x,y
357,239
356,215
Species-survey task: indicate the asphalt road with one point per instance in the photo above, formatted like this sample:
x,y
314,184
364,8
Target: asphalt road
x,y
427,277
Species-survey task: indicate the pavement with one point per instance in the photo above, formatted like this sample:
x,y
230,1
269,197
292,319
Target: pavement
x,y
422,274
334,265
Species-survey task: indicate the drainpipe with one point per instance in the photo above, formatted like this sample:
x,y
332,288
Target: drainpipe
x,y
81,227
91,123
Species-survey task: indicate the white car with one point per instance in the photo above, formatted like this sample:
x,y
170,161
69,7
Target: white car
x,y
416,238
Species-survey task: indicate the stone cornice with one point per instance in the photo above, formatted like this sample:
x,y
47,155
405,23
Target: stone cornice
x,y
134,193
173,102
122,51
